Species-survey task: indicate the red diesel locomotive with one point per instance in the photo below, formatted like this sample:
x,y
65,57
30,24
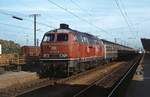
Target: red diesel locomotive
x,y
65,51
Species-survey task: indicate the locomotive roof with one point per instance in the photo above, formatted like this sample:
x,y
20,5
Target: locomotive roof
x,y
65,28
74,31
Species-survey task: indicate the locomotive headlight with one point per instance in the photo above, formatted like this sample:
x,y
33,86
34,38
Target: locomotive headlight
x,y
63,55
45,55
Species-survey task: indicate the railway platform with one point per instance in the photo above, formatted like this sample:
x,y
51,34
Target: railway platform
x,y
140,84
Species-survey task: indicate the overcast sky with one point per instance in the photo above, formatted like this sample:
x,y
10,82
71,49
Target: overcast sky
x,y
99,15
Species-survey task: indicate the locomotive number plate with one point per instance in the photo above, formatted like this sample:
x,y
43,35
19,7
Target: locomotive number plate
x,y
53,48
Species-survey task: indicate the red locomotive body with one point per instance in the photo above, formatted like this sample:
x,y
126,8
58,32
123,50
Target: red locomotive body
x,y
65,51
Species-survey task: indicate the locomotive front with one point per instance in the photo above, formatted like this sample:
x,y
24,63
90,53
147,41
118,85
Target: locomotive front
x,y
55,51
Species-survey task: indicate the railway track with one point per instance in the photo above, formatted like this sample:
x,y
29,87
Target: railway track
x,y
17,90
96,82
110,83
70,85
78,78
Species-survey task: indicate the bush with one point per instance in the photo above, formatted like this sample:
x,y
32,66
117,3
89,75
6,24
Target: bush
x,y
9,47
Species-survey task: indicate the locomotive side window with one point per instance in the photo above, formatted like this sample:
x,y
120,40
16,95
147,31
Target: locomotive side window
x,y
62,37
49,37
79,38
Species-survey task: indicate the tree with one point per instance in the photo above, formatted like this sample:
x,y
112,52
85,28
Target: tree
x,y
9,47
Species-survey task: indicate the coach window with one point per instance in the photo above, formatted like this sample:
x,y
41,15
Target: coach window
x,y
62,37
49,37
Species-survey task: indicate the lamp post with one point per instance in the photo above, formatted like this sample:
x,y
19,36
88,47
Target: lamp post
x,y
18,18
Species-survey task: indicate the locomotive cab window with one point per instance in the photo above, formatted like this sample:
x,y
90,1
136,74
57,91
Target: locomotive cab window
x,y
49,37
62,37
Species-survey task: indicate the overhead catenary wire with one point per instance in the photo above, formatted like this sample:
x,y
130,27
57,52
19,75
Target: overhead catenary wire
x,y
77,5
123,15
126,14
45,18
18,38
82,19
144,21
40,23
16,26
11,32
24,18
125,11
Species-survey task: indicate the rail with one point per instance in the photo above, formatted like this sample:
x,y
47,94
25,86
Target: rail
x,y
63,81
98,81
45,82
125,76
41,83
94,83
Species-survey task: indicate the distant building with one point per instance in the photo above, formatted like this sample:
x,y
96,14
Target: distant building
x,y
0,49
146,44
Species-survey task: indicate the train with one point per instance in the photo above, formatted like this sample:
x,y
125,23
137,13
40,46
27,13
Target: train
x,y
65,51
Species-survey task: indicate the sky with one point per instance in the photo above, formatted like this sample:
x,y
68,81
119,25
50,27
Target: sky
x,y
101,18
